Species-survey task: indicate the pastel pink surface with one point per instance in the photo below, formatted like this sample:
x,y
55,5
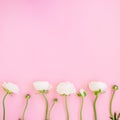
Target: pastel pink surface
x,y
66,40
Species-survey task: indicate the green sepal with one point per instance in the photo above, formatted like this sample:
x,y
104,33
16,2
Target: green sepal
x,y
43,91
97,92
80,95
9,92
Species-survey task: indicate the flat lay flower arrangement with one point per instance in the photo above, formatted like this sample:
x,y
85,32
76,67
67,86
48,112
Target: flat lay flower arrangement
x,y
64,89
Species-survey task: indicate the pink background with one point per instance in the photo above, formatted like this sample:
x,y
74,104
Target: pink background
x,y
59,40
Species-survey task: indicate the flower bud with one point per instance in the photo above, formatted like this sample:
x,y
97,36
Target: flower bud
x,y
115,87
55,100
27,96
82,93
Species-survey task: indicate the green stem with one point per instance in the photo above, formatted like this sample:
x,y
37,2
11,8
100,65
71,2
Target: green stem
x,y
23,115
81,109
111,101
50,110
3,103
94,106
67,111
46,111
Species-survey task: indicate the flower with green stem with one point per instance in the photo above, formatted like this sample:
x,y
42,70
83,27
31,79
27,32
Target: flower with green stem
x,y
114,88
97,88
65,89
27,97
82,94
10,88
43,87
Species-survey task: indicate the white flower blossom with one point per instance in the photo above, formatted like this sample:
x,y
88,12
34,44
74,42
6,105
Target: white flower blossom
x,y
10,87
66,88
42,85
82,93
96,86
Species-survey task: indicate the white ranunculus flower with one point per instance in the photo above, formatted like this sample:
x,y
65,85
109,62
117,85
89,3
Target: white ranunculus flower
x,y
66,88
42,85
82,93
10,87
97,86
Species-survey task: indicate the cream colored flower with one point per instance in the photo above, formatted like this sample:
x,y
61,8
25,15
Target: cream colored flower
x,y
82,93
96,86
10,87
66,88
42,85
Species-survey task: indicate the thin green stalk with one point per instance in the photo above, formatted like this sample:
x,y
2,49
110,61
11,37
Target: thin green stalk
x,y
111,101
94,106
46,111
81,109
67,111
23,115
50,110
3,103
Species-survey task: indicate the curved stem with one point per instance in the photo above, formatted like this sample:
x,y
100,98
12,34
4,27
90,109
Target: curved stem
x,y
23,115
111,101
67,111
94,106
50,110
81,109
3,103
46,101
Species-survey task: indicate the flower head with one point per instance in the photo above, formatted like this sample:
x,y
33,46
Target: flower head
x,y
10,87
42,86
66,88
82,93
97,86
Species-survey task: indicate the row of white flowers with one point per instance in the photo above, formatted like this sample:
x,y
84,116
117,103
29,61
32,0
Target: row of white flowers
x,y
63,88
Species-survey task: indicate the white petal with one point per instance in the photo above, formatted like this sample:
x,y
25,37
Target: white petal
x,y
11,87
42,85
66,88
96,86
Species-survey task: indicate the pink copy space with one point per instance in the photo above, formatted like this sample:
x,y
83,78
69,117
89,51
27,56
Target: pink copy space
x,y
59,40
